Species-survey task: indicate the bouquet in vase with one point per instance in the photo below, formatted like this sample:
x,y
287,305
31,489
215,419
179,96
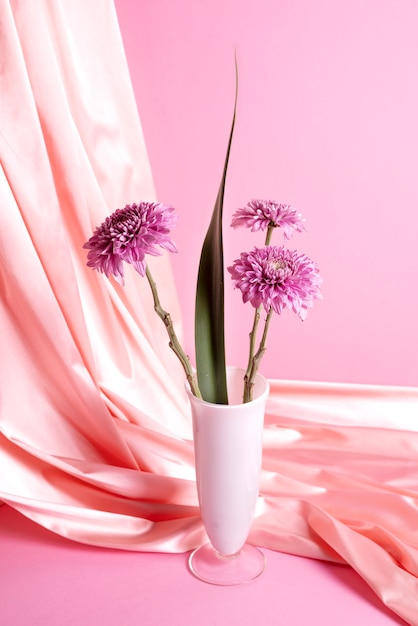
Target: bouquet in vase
x,y
271,278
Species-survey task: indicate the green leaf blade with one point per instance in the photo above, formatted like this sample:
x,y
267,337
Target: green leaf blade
x,y
210,305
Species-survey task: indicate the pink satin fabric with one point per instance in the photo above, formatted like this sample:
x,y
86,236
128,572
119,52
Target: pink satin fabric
x,y
95,428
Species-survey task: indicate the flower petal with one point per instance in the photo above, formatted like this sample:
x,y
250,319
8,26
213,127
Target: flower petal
x,y
277,278
128,235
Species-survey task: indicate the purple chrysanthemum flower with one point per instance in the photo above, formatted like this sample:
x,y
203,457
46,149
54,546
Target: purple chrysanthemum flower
x,y
128,235
277,278
259,214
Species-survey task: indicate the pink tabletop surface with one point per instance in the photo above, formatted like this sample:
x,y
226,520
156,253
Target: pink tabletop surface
x,y
49,580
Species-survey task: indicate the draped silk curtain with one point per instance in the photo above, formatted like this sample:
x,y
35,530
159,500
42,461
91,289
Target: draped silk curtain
x,y
95,430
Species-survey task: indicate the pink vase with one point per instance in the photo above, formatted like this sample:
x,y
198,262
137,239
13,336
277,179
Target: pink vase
x,y
228,455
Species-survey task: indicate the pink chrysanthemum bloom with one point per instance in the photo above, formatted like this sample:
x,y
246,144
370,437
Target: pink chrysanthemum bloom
x,y
128,235
259,214
277,278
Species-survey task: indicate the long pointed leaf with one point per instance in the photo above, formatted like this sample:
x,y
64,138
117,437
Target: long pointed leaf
x,y
210,309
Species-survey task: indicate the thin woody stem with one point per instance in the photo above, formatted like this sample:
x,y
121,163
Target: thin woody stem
x,y
174,342
255,362
269,233
253,335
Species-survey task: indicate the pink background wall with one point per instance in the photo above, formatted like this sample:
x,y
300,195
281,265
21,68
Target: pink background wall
x,y
327,121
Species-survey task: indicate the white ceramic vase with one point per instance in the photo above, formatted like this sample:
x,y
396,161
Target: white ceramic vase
x,y
228,456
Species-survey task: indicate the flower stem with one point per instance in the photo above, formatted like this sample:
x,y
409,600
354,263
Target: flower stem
x,y
174,342
253,336
249,374
255,361
269,233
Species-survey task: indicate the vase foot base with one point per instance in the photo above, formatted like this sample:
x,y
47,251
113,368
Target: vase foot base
x,y
211,567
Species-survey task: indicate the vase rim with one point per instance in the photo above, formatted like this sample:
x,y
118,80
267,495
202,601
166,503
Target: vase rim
x,y
230,370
